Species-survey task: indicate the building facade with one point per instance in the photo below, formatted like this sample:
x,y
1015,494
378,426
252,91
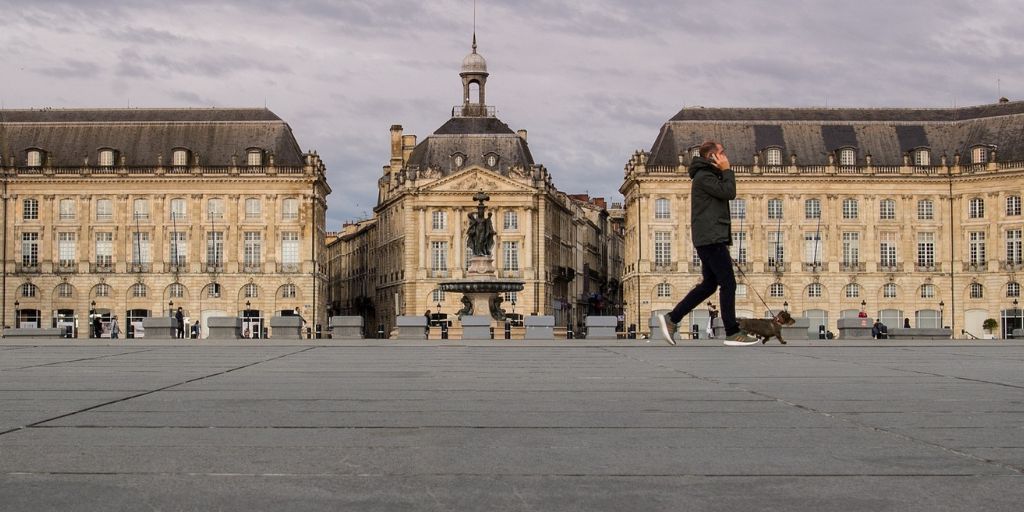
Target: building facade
x,y
908,214
543,237
137,212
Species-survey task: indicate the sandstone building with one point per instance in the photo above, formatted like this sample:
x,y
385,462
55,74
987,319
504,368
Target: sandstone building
x,y
557,244
136,212
905,213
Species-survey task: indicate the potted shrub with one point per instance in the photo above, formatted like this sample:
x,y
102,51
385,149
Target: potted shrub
x,y
990,325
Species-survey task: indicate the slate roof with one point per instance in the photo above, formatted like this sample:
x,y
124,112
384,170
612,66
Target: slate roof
x,y
475,138
813,133
215,134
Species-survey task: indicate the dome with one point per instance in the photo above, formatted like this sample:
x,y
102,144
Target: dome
x,y
474,63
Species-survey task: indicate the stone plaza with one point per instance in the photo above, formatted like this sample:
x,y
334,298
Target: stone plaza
x,y
511,425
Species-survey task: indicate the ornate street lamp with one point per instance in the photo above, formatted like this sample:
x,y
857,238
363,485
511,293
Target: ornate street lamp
x,y
785,306
170,308
942,306
17,313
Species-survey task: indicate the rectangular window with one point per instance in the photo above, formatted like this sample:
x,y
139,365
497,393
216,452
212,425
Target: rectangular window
x,y
1013,205
31,210
253,248
976,247
1013,247
812,209
439,221
30,249
141,209
253,208
179,158
926,249
67,209
738,209
662,208
510,255
177,209
215,248
662,247
215,209
179,249
851,248
776,247
67,248
774,209
887,249
290,248
738,250
887,209
850,209
977,208
439,255
104,249
290,209
511,221
140,248
925,210
812,248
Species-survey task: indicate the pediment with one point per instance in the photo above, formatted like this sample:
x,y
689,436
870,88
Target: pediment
x,y
476,180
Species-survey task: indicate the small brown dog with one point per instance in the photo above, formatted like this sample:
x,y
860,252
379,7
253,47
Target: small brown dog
x,y
766,328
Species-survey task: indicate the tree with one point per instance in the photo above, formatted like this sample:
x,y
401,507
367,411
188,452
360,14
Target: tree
x,y
990,324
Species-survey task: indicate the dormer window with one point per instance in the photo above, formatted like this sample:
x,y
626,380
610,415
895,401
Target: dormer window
x,y
847,157
179,158
458,159
106,158
922,157
34,158
773,156
254,157
492,160
979,155
694,152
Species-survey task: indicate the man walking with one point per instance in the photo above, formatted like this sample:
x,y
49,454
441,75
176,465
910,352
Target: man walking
x,y
713,186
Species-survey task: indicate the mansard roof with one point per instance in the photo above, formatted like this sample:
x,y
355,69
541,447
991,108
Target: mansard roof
x,y
814,133
139,135
474,138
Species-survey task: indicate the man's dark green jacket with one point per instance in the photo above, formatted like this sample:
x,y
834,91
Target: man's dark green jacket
x,y
709,203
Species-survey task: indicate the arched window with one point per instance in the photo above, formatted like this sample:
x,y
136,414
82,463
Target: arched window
x,y
852,291
850,209
30,209
889,291
213,291
176,291
28,290
662,208
178,209
977,291
922,157
458,159
251,291
437,296
140,209
511,222
65,290
67,209
138,290
773,156
215,208
814,290
288,291
928,291
34,158
979,155
776,290
1013,289
103,290
179,157
976,208
254,157
664,290
847,157
492,160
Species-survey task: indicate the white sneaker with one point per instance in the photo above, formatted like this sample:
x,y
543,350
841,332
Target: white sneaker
x,y
668,328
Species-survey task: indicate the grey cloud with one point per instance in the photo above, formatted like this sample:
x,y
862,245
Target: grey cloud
x,y
71,68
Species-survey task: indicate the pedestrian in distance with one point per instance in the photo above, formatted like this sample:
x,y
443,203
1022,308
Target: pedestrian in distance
x,y
179,317
195,330
906,323
97,326
115,330
713,185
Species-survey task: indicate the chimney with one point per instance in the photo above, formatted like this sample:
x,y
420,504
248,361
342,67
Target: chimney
x,y
521,134
396,141
408,144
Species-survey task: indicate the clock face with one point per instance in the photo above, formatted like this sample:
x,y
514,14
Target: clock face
x,y
458,161
492,160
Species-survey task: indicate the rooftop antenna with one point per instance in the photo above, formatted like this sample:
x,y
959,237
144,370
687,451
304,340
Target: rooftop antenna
x,y
999,86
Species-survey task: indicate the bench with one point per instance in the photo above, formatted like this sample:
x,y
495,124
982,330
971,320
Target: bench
x,y
919,333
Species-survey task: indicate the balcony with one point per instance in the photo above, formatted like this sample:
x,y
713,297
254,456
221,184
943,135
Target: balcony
x,y
28,268
176,267
438,272
852,267
510,273
890,267
252,268
213,268
66,267
743,266
925,267
812,267
288,268
140,267
101,268
1011,266
977,266
776,266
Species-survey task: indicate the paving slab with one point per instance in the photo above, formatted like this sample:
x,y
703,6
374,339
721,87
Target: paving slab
x,y
479,425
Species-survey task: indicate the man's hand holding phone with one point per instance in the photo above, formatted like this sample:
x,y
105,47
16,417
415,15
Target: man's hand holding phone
x,y
720,160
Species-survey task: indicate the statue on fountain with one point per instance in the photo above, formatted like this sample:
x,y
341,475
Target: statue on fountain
x,y
480,235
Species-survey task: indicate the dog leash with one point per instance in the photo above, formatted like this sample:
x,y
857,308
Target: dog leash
x,y
744,274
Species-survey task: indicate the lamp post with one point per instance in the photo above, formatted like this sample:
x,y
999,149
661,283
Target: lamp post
x,y
942,306
1016,316
92,318
248,323
785,306
17,313
170,308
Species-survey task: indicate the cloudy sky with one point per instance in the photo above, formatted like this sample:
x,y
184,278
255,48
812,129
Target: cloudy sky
x,y
591,80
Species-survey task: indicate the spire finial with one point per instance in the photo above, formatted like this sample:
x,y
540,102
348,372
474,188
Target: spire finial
x,y
474,26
